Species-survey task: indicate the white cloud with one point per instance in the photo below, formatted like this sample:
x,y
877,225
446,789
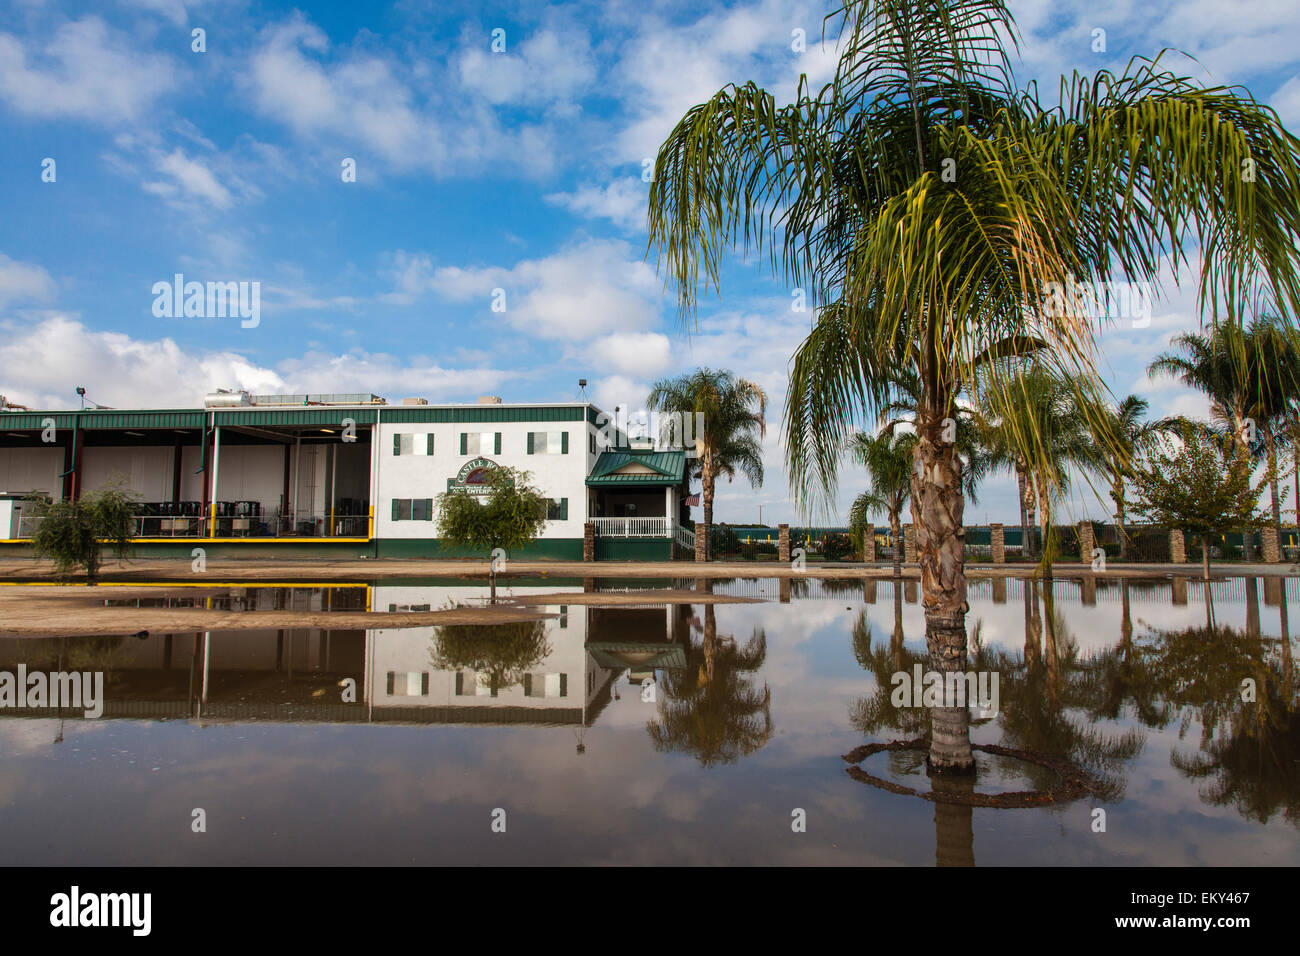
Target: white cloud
x,y
23,282
86,71
631,352
550,66
44,362
622,201
587,290
188,177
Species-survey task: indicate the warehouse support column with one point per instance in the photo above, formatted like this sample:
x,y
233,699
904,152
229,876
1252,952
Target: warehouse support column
x,y
216,467
176,471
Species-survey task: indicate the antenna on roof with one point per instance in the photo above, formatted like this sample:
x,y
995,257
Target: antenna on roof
x,y
582,388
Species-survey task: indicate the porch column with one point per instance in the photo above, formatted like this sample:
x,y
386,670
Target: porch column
x,y
783,543
909,543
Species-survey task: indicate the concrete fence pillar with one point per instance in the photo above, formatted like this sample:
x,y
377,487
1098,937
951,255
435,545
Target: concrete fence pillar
x,y
589,541
1177,547
783,543
1272,543
909,544
1180,589
999,590
701,541
1088,590
869,591
999,542
1087,541
783,586
869,544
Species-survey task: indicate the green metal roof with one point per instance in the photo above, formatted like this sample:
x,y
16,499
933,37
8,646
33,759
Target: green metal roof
x,y
668,467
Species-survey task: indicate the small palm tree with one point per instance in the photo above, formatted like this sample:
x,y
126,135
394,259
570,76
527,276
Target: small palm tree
x,y
730,441
1130,434
887,458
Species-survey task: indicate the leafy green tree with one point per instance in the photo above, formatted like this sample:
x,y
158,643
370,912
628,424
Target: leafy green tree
x,y
72,533
510,516
921,198
1198,484
732,430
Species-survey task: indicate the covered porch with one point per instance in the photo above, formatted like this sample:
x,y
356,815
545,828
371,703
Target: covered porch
x,y
636,502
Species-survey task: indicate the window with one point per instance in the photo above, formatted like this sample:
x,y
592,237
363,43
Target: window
x,y
412,444
548,443
557,509
408,684
480,443
546,685
412,509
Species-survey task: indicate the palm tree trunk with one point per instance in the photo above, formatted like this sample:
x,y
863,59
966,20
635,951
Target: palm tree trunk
x,y
1270,446
1117,492
1205,560
895,532
1024,514
937,510
706,498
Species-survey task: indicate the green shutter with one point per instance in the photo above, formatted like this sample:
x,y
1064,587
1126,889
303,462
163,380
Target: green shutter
x,y
564,509
396,508
496,444
464,443
564,443
564,685
397,444
428,509
530,443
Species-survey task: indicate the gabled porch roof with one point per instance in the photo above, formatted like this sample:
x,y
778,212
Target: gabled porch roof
x,y
639,468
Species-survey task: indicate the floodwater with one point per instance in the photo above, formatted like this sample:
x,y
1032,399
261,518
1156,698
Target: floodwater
x,y
669,734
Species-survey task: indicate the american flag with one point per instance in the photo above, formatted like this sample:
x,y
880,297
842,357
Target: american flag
x,y
692,500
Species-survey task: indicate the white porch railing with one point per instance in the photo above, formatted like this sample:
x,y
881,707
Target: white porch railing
x,y
632,527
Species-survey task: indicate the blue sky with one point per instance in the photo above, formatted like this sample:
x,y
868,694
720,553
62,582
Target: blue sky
x,y
475,171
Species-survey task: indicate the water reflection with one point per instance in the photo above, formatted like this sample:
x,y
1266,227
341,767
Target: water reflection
x,y
752,706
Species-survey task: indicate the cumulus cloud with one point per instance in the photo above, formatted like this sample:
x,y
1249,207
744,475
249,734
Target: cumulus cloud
x,y
589,289
549,66
86,71
43,363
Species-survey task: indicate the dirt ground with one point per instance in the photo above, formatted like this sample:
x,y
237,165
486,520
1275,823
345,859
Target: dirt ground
x,y
33,603
76,610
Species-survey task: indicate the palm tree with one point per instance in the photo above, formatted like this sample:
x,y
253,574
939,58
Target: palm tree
x,y
1251,375
1130,433
1053,412
922,201
733,427
887,458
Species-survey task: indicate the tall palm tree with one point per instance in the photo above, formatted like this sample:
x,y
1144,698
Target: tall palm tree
x,y
1130,433
887,458
1251,375
730,441
921,198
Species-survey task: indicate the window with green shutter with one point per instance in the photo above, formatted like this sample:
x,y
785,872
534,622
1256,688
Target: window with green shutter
x,y
496,444
531,435
397,444
428,509
564,443
464,443
397,509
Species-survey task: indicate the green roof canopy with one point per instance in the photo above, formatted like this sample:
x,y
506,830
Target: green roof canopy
x,y
645,468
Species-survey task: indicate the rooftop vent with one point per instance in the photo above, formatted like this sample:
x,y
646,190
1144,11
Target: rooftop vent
x,y
489,399
226,398
415,401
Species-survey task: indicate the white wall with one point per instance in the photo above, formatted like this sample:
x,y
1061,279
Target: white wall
x,y
425,476
32,469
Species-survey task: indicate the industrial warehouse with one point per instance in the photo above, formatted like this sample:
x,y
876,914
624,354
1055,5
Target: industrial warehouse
x,y
345,475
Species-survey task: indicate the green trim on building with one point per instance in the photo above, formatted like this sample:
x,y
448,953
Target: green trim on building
x,y
633,549
557,549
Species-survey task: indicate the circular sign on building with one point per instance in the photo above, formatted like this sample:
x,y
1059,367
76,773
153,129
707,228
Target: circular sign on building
x,y
473,477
